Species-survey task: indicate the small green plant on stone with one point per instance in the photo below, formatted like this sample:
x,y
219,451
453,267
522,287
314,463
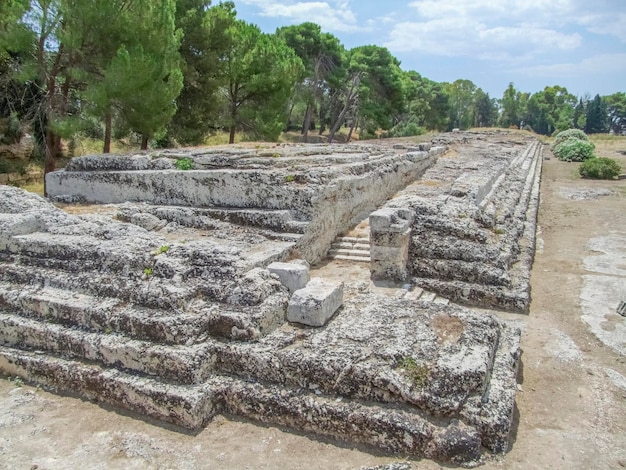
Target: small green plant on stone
x,y
290,178
184,164
108,330
17,381
147,272
417,373
498,231
600,168
161,250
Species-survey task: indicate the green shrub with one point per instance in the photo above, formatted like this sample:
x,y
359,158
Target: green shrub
x,y
406,129
600,168
569,134
184,164
13,131
574,150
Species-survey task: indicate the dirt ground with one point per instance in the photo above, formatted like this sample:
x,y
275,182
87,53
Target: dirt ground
x,y
571,400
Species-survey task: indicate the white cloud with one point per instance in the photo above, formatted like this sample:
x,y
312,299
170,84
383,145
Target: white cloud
x,y
331,17
458,36
605,17
594,66
612,24
381,20
491,8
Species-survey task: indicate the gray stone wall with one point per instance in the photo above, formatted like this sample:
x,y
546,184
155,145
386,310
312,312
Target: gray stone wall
x,y
326,188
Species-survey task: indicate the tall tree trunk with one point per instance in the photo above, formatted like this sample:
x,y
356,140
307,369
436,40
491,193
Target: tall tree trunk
x,y
107,132
144,142
339,122
50,154
307,123
289,113
352,127
322,116
233,121
350,98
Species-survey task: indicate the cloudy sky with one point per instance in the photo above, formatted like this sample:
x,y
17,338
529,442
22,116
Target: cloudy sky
x,y
579,44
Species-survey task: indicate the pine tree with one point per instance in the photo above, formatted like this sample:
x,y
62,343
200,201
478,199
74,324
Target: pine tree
x,y
597,119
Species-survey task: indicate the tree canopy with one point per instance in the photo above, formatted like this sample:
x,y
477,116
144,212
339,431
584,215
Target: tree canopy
x,y
172,71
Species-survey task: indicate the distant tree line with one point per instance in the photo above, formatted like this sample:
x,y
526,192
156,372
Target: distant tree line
x,y
174,71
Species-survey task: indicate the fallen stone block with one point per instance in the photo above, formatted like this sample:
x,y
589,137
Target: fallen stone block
x,y
316,303
292,276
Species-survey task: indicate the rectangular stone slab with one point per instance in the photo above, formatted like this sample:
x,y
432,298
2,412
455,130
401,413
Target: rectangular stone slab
x,y
292,276
316,303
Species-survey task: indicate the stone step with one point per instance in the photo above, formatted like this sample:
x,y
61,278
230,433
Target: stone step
x,y
349,252
364,240
193,406
273,219
361,259
189,406
345,245
185,364
118,254
515,298
103,314
136,290
174,325
351,249
457,270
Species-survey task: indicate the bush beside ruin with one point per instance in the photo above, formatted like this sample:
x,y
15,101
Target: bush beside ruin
x,y
570,134
572,145
600,168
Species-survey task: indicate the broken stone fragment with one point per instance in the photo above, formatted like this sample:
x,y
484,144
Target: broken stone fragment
x,y
292,276
316,303
148,221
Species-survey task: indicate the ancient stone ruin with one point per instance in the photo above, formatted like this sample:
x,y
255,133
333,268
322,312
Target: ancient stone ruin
x,y
189,292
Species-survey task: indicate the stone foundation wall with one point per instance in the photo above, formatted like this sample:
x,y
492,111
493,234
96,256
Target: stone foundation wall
x,y
326,189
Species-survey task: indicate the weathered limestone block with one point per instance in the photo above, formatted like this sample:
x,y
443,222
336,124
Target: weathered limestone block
x,y
293,276
390,219
316,303
390,253
390,237
385,239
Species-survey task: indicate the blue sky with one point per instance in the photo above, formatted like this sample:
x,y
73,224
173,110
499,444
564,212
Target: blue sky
x,y
579,44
